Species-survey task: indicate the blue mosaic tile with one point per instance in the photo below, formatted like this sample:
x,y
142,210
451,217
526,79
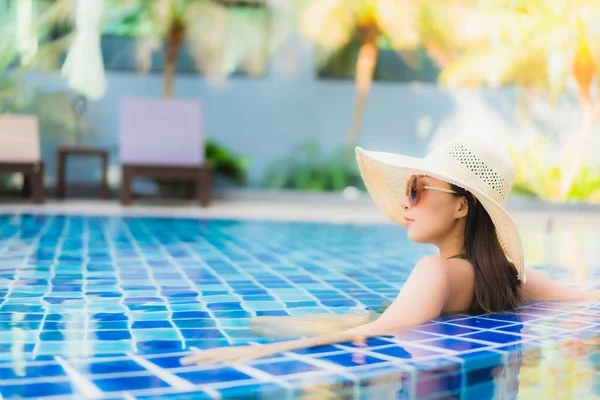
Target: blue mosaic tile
x,y
109,367
446,329
286,367
159,345
486,390
351,359
209,343
256,391
151,324
454,344
203,377
202,333
406,352
166,361
34,371
112,335
157,288
275,313
35,390
21,317
494,337
191,323
438,378
480,323
121,384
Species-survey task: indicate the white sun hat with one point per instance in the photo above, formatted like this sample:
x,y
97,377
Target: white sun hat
x,y
479,165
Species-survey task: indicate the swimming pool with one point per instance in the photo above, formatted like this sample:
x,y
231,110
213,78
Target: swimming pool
x,y
104,307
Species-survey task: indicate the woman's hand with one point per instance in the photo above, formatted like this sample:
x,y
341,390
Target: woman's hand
x,y
239,354
306,325
422,298
539,287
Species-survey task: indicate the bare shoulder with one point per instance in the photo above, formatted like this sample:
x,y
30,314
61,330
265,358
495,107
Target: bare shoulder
x,y
437,262
433,266
423,297
430,262
444,270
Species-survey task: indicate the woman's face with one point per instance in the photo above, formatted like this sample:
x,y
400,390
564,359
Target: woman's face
x,y
436,214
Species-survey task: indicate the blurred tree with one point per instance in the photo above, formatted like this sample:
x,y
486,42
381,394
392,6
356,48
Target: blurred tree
x,y
332,24
407,26
26,46
224,35
536,44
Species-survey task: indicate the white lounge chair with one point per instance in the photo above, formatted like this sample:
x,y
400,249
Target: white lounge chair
x,y
20,152
162,139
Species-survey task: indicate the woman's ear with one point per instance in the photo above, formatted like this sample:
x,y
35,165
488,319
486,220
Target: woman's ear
x,y
462,208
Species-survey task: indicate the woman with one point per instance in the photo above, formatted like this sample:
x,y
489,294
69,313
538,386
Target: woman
x,y
454,199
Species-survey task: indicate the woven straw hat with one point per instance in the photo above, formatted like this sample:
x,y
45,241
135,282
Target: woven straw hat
x,y
479,165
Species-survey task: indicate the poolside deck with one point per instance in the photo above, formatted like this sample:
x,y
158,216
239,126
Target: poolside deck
x,y
290,206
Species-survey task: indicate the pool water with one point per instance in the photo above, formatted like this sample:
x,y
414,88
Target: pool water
x,y
104,307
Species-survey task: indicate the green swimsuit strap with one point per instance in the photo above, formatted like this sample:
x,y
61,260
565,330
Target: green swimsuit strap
x,y
461,256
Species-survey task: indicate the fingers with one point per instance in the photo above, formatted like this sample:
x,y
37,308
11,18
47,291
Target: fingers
x,y
197,358
188,360
360,342
227,355
208,356
246,353
200,359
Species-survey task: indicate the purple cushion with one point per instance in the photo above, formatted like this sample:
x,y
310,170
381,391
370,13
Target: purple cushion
x,y
159,131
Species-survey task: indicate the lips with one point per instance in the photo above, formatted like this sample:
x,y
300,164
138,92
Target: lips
x,y
408,220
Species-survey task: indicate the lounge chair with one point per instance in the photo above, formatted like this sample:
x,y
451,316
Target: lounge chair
x,y
162,139
20,152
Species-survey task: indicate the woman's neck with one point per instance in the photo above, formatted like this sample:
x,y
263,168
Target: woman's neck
x,y
452,246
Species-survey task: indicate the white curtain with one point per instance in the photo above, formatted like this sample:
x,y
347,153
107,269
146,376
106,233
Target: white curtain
x,y
84,68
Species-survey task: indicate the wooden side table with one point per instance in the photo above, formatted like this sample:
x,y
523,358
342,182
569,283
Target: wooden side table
x,y
66,151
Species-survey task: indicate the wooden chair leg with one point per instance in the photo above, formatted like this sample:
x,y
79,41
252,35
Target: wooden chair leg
x,y
204,186
60,177
104,183
37,184
126,186
26,190
190,190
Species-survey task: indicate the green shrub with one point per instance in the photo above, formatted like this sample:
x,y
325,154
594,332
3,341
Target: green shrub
x,y
308,168
537,175
226,164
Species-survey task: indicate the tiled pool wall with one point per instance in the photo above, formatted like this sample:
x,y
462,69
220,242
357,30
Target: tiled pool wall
x,y
105,307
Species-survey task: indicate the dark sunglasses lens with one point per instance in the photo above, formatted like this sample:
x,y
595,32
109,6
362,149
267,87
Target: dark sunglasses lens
x,y
414,191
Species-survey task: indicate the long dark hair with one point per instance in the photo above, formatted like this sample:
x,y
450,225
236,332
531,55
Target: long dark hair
x,y
497,287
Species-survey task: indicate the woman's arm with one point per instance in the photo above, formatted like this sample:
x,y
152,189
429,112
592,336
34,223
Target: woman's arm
x,y
540,287
422,298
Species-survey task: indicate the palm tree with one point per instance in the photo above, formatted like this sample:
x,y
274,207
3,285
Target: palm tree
x,y
332,24
224,36
540,45
408,26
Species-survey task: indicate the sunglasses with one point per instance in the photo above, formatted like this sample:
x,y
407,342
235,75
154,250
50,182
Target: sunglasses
x,y
415,186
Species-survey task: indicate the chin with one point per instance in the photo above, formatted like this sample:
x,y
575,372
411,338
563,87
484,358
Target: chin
x,y
415,236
